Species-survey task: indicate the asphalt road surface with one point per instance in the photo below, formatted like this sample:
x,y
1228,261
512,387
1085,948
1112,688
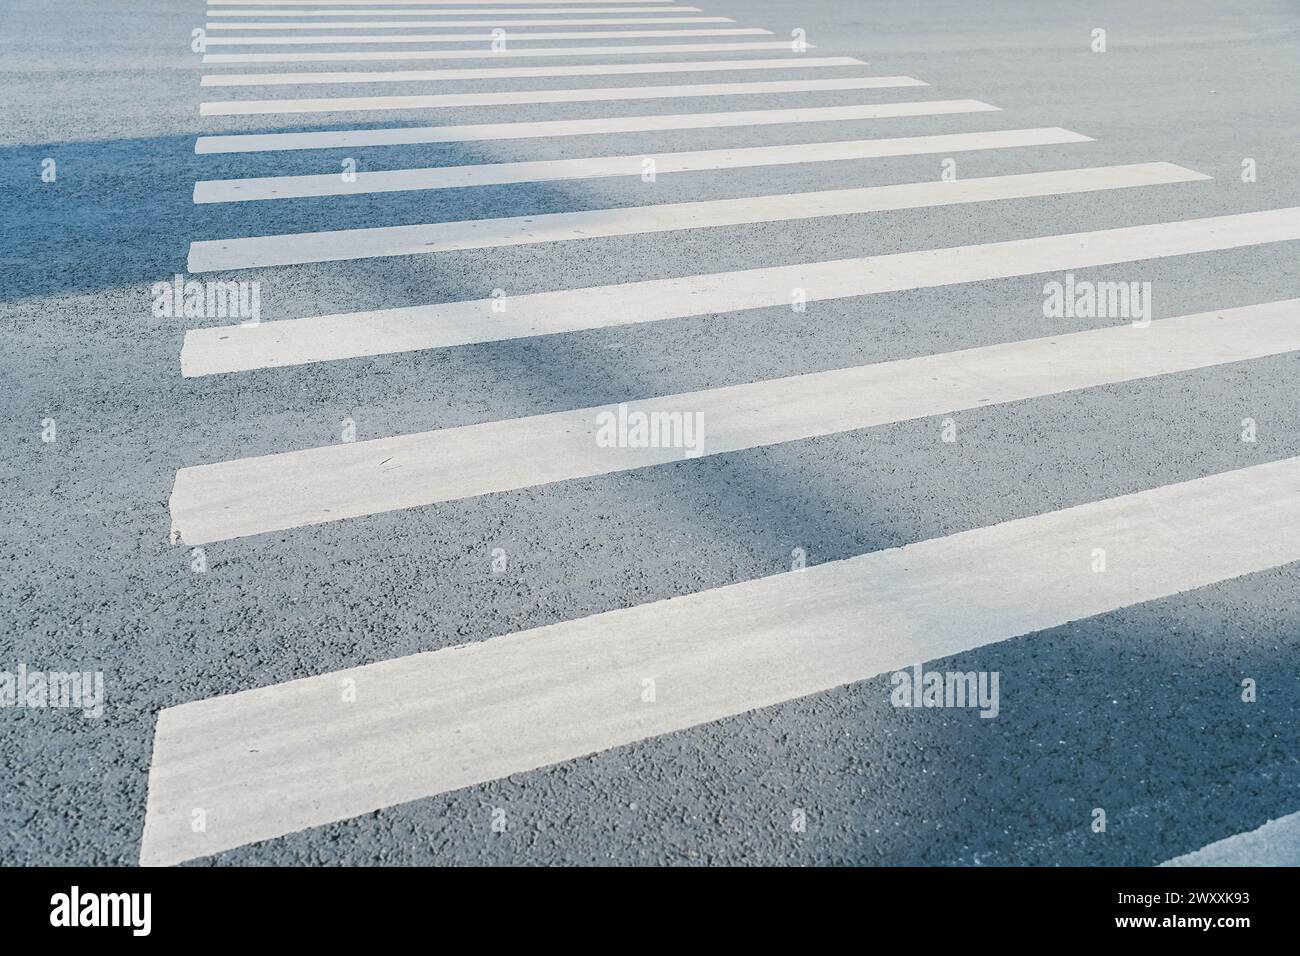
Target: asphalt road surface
x,y
615,420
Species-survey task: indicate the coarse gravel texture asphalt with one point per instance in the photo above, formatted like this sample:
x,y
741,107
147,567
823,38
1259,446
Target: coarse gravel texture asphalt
x,y
1138,712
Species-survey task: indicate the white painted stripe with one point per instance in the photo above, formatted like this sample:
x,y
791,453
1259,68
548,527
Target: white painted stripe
x,y
404,135
348,104
310,78
484,54
420,3
351,335
248,496
392,24
282,758
483,37
451,177
1276,843
423,239
477,12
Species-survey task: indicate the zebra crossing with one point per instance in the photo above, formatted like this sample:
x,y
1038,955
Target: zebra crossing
x,y
479,37
423,239
438,101
451,177
267,762
515,72
621,49
272,493
449,719
319,338
406,135
383,24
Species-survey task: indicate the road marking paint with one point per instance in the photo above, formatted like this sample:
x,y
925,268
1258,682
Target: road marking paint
x,y
282,758
423,239
450,177
387,24
233,499
277,492
305,78
503,11
483,37
1276,843
421,3
345,104
622,49
385,331
406,135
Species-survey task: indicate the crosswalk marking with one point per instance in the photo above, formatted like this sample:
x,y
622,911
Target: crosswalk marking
x,y
582,4
483,37
402,24
345,104
427,238
305,78
261,759
502,11
621,49
405,135
351,335
237,498
1276,843
449,177
282,758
